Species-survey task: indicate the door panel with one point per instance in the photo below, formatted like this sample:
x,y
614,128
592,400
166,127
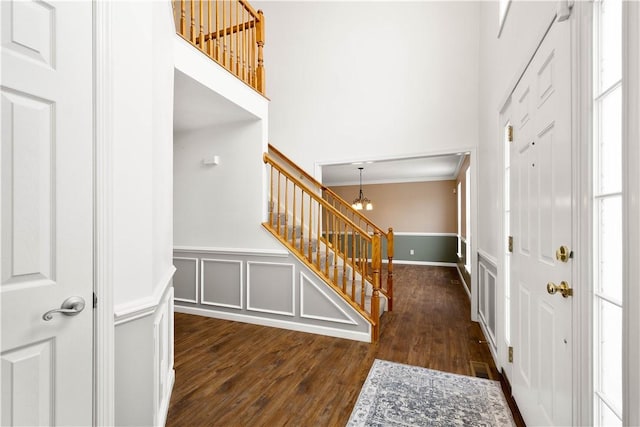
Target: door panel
x,y
47,211
541,223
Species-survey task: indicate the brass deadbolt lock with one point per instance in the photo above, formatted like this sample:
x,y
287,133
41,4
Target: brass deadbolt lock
x,y
563,254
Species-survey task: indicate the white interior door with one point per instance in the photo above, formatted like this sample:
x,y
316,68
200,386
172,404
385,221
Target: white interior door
x,y
47,212
541,205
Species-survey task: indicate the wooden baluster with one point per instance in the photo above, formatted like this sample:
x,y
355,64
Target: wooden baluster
x,y
319,220
336,229
222,35
201,27
244,44
217,42
260,74
254,66
286,208
183,18
345,241
302,221
237,38
293,222
310,234
209,30
363,274
193,22
271,195
326,252
278,217
376,261
353,264
390,250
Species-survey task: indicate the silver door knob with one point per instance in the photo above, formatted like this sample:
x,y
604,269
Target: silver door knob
x,y
70,307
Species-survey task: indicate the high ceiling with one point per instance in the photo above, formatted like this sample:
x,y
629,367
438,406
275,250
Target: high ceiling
x,y
415,169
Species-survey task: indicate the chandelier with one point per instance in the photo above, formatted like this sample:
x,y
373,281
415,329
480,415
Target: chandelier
x,y
361,202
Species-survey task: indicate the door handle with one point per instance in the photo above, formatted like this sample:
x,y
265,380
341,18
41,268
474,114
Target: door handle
x,y
70,307
563,288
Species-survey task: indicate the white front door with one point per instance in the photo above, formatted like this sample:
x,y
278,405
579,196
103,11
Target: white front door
x,y
541,207
47,211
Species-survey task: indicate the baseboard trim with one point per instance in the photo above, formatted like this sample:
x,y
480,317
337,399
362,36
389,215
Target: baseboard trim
x,y
431,263
466,289
143,307
163,412
282,324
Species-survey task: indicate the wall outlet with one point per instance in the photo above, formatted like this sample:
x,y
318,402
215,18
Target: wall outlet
x,y
411,252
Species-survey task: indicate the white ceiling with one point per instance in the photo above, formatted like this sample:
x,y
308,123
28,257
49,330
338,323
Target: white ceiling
x,y
415,169
196,106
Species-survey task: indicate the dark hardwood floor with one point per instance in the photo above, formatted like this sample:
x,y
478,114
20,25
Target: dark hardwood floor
x,y
235,374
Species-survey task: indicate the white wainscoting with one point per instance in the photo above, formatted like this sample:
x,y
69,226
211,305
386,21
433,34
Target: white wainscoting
x,y
321,304
186,293
488,300
270,289
147,325
221,283
267,282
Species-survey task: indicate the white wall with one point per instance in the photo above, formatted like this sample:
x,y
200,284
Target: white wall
x,y
143,66
349,80
500,62
143,136
220,206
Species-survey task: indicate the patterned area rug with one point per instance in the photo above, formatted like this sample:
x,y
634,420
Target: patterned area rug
x,y
402,395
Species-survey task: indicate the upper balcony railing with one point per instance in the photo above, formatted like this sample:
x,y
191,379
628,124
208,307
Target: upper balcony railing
x,y
229,32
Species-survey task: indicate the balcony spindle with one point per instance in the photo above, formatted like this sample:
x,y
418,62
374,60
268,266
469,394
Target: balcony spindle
x,y
260,74
209,30
192,27
278,217
310,234
183,17
302,234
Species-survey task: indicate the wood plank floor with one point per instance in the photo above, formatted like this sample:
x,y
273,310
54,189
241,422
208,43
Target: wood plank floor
x,y
235,374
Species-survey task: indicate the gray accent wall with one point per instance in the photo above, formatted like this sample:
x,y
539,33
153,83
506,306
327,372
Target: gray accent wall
x,y
268,288
427,248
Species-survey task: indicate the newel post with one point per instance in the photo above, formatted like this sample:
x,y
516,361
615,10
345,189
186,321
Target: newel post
x,y
260,77
390,268
376,262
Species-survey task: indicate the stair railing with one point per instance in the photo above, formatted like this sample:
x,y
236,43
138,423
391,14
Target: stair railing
x,y
231,32
321,235
355,216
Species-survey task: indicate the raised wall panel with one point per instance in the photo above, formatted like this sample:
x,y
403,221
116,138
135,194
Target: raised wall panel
x,y
28,385
28,29
28,147
221,283
315,303
185,279
270,287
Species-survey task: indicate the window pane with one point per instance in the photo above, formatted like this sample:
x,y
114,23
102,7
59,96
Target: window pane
x,y
611,352
610,250
610,147
610,43
607,417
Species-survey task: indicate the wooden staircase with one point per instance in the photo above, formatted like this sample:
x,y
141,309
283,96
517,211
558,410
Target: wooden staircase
x,y
338,243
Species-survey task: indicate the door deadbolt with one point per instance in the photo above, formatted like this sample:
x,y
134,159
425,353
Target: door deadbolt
x,y
563,254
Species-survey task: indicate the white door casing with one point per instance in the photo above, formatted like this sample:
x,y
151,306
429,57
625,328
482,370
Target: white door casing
x,y
47,211
541,221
